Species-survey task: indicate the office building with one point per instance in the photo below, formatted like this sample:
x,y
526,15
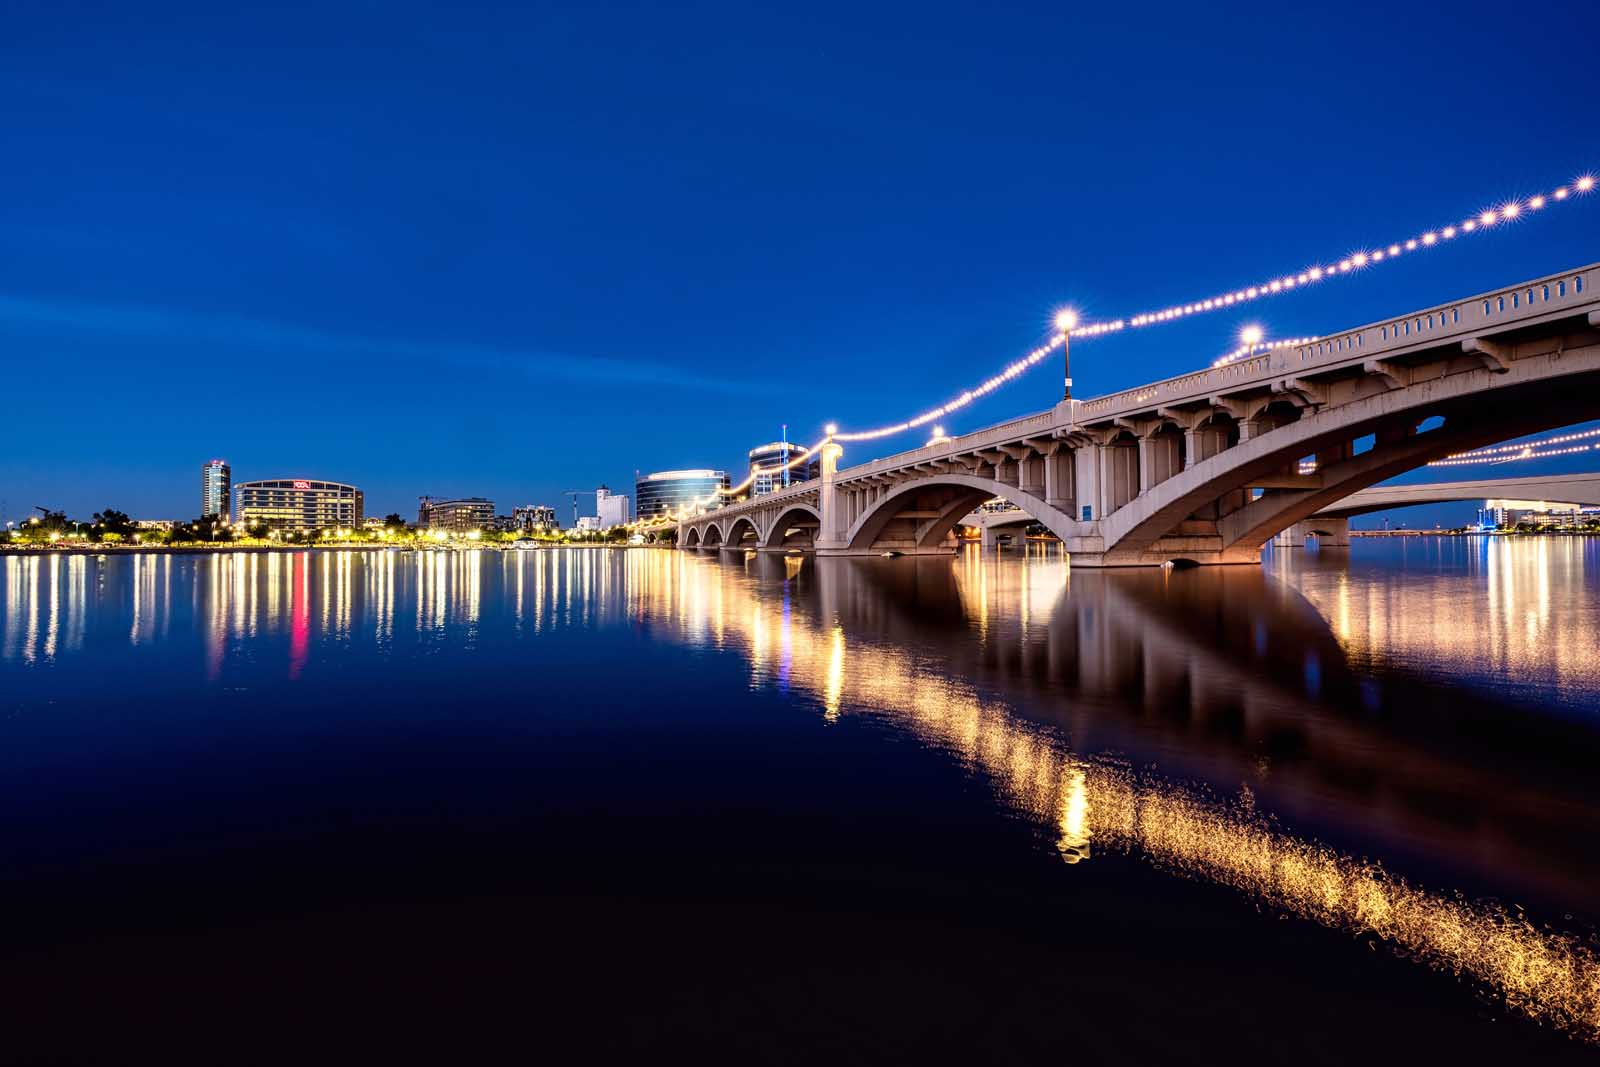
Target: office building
x,y
768,462
216,480
610,508
535,518
1544,514
678,492
460,516
298,504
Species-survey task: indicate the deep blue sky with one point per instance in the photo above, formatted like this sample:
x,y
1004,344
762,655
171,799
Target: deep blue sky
x,y
510,252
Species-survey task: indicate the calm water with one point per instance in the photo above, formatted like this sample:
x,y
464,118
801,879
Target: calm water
x,y
610,803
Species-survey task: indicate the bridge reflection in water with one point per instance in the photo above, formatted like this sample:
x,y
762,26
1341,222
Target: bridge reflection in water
x,y
846,651
1281,764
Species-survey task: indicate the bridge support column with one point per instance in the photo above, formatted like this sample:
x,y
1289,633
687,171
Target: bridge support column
x,y
1161,455
1059,490
1031,475
1330,533
1086,476
831,534
1120,464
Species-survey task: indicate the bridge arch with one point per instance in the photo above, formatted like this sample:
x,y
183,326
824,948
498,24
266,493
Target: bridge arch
x,y
712,537
916,516
796,526
1170,520
742,532
691,537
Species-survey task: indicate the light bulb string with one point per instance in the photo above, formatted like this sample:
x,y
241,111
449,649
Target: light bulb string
x,y
1492,218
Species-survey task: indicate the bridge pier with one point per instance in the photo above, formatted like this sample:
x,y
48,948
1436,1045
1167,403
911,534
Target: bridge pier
x,y
831,535
1330,533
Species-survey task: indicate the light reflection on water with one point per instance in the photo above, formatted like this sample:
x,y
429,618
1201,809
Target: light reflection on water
x,y
1000,663
1526,613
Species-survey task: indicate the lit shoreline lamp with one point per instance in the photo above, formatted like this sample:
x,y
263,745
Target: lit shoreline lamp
x,y
1066,321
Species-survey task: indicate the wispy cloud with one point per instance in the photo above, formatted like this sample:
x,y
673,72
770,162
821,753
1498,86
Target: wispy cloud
x,y
233,332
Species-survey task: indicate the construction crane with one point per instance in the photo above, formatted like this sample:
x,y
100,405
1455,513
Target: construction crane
x,y
575,494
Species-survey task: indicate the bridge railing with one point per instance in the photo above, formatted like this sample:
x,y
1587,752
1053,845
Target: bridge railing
x,y
1042,422
1544,298
799,489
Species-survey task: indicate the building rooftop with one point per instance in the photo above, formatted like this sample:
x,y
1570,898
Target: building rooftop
x,y
661,476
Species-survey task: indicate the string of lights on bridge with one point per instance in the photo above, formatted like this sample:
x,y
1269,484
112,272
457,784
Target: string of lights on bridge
x,y
1255,345
1067,324
1541,449
1525,450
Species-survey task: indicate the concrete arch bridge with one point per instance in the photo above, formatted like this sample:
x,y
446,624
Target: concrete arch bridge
x,y
1205,467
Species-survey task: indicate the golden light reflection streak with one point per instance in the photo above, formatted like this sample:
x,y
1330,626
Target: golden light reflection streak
x,y
53,619
834,687
12,630
1549,975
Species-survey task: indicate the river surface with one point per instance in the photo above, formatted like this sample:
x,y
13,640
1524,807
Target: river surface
x,y
610,804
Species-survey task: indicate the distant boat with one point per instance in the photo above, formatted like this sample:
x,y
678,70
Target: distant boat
x,y
525,543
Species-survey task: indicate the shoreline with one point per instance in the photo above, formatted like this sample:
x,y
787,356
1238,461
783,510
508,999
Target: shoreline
x,y
1469,533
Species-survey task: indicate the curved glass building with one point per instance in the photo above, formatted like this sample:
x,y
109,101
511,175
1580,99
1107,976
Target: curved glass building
x,y
767,463
664,491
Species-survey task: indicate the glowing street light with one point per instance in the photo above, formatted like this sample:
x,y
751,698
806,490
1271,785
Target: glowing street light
x,y
1251,336
1066,322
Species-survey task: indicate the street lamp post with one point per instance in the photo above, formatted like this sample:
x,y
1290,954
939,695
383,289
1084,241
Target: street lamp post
x,y
1066,320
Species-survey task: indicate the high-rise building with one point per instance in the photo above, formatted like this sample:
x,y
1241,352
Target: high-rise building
x,y
678,491
216,481
768,463
610,508
535,518
298,504
460,516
